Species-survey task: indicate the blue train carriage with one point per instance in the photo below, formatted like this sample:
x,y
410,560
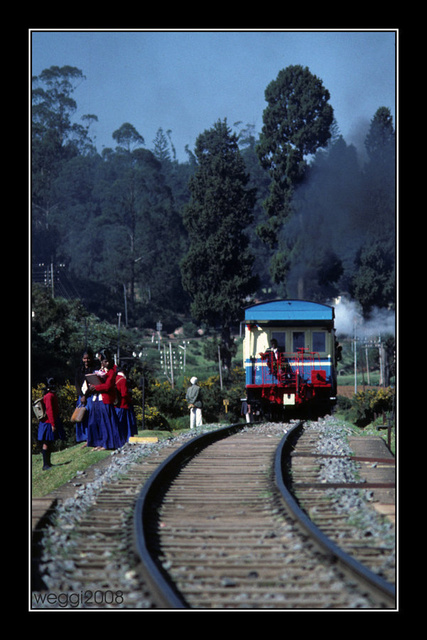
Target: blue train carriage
x,y
289,355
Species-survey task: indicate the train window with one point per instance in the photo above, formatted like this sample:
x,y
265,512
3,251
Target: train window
x,y
298,340
319,341
280,336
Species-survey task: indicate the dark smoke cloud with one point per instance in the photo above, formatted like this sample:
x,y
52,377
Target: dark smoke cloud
x,y
333,214
327,217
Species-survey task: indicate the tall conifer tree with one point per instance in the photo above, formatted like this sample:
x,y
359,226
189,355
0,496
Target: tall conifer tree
x,y
297,122
217,270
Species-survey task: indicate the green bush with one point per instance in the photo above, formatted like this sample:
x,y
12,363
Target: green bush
x,y
344,404
169,401
367,405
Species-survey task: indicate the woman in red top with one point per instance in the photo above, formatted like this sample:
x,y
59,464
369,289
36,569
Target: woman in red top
x,y
50,427
104,429
124,407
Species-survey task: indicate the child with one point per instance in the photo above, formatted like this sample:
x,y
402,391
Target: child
x,y
50,427
124,408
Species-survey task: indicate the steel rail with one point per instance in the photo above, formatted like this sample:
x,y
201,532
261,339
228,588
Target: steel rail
x,y
383,588
156,576
153,572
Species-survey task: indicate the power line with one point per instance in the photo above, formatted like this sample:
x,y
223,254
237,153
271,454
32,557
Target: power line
x,y
55,277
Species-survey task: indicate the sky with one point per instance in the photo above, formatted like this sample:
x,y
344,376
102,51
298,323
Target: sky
x,y
185,81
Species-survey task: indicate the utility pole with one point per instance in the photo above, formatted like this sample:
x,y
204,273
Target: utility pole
x,y
119,315
126,305
219,365
355,358
367,363
159,327
142,387
171,362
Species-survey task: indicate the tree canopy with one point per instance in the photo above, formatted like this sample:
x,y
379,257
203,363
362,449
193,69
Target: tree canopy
x,y
296,122
136,229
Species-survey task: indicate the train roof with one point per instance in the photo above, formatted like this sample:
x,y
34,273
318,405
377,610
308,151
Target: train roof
x,y
290,311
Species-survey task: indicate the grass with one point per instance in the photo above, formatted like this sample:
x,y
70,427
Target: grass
x,y
196,364
373,429
378,429
67,463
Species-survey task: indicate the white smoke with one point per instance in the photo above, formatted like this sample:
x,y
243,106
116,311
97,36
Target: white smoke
x,y
349,320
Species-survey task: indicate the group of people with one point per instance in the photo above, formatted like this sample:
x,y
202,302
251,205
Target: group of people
x,y
109,419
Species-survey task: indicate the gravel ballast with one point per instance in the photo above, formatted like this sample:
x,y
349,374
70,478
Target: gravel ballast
x,y
58,544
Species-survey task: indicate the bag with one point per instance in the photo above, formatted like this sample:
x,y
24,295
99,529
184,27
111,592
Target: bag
x,y
78,414
39,409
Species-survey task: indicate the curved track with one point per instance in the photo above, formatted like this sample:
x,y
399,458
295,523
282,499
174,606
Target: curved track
x,y
216,527
332,537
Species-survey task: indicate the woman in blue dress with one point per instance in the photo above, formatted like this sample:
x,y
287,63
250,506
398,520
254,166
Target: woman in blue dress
x,y
84,396
104,430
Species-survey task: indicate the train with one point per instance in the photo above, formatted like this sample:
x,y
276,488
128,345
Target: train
x,y
290,354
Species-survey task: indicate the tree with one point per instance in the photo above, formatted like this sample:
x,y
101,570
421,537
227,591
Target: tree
x,y
373,283
56,333
380,176
55,140
163,146
259,180
139,230
217,270
128,138
380,140
53,107
297,122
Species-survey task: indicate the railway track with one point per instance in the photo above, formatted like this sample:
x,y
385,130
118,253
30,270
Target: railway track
x,y
325,503
221,536
199,525
87,558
